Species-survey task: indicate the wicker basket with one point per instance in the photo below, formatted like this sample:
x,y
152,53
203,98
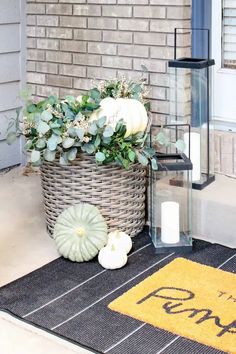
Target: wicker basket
x,y
118,193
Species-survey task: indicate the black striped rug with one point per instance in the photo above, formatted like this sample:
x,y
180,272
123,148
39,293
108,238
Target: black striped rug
x,y
70,299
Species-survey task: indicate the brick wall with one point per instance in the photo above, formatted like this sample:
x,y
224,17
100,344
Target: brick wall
x,y
71,42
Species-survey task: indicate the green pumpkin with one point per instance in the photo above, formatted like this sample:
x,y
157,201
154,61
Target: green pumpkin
x,y
80,232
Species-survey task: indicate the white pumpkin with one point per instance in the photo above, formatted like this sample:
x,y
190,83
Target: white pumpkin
x,y
121,240
130,110
80,232
112,257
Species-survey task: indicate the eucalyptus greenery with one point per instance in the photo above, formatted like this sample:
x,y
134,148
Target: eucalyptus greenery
x,y
58,130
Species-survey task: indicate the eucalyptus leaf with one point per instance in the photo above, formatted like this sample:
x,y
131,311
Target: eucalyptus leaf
x,y
144,68
35,156
41,144
72,132
63,160
89,148
95,94
162,139
71,154
80,133
99,156
70,99
52,142
154,164
97,141
93,129
68,142
101,122
46,116
28,144
131,155
11,138
108,132
180,145
142,159
49,155
43,127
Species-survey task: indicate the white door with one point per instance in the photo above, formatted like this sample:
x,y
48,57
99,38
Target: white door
x,y
224,53
12,73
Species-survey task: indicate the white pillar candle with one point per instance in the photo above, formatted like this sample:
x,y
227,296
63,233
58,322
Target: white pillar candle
x,y
195,153
170,222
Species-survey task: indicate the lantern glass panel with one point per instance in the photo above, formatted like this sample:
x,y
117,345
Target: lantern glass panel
x,y
170,206
189,104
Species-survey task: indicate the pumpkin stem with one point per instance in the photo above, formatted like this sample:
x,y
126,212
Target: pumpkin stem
x,y
80,231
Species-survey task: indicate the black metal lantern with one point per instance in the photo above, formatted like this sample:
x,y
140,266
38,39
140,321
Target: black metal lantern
x,y
189,103
170,200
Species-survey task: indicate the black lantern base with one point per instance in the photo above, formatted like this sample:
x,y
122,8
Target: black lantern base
x,y
183,246
204,181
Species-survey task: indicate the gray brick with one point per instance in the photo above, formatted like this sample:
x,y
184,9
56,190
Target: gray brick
x,y
170,2
117,36
47,21
73,46
52,44
82,84
36,31
31,43
133,50
133,25
159,80
87,10
59,9
149,11
63,92
45,91
117,62
117,11
50,68
150,38
73,21
30,66
87,59
61,81
158,93
102,48
101,1
88,34
31,20
34,54
167,26
72,70
179,12
102,23
59,33
36,78
153,66
162,52
72,1
101,73
133,2
58,57
35,8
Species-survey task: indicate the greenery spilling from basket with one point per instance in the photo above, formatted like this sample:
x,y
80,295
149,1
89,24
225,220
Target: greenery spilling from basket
x,y
59,129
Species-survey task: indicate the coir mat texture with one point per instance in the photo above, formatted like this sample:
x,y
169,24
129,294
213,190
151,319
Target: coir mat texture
x,y
71,300
189,299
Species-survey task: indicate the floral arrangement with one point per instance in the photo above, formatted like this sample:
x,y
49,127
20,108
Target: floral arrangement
x,y
58,129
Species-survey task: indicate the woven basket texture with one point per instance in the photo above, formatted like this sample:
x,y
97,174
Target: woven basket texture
x,y
118,193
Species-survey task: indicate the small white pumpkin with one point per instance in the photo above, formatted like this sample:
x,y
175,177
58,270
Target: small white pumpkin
x,y
121,240
130,110
80,232
112,257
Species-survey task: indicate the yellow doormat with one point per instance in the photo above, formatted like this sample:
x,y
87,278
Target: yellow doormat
x,y
188,299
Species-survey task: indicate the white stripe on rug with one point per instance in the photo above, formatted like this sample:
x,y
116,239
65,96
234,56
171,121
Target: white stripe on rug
x,y
78,286
111,292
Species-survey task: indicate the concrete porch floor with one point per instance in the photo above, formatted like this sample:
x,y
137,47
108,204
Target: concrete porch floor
x,y
26,246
